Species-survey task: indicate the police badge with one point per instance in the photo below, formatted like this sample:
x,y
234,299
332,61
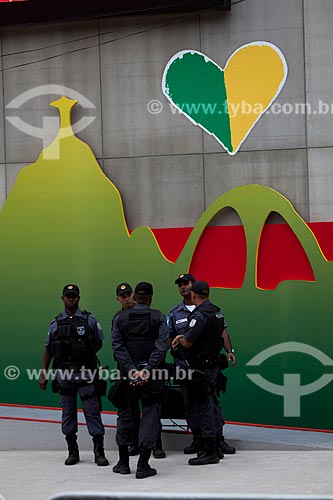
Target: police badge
x,y
81,330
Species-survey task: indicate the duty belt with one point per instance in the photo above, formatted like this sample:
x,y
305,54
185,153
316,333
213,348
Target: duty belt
x,y
205,362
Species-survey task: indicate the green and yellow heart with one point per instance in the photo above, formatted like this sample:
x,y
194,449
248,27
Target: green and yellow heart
x,y
228,102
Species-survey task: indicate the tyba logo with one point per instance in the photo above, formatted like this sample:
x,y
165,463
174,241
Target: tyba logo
x,y
228,102
291,390
50,123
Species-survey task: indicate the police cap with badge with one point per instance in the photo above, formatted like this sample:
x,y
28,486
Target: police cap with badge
x,y
71,289
123,288
184,277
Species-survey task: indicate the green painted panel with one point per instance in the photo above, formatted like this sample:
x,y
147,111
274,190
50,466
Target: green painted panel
x,y
63,222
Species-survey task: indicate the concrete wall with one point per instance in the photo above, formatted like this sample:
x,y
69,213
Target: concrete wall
x,y
168,171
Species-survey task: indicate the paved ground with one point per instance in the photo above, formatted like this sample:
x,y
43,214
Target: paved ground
x,y
268,461
39,475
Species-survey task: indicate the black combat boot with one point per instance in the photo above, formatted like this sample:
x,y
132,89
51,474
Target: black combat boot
x,y
208,456
158,451
73,450
224,446
196,445
133,450
143,468
99,450
122,467
218,447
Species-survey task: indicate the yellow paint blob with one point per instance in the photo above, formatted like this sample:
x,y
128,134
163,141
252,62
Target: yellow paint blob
x,y
253,76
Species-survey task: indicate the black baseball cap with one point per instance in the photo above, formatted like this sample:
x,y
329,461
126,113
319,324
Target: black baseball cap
x,y
200,287
144,288
71,289
184,277
123,288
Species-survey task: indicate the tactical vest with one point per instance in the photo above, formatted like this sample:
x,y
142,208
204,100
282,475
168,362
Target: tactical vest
x,y
73,343
139,329
210,343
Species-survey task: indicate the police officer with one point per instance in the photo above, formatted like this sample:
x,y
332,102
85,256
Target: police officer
x,y
130,415
202,340
140,342
177,324
125,297
73,340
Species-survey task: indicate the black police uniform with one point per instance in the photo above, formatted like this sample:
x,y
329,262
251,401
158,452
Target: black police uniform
x,y
140,341
205,325
177,324
129,415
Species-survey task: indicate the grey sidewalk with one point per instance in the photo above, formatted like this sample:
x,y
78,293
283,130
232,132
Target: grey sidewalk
x,y
42,435
39,475
268,461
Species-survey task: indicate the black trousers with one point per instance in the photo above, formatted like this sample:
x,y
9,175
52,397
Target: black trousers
x,y
200,398
149,395
129,418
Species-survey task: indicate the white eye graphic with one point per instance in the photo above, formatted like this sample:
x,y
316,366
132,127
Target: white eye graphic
x,y
51,89
291,390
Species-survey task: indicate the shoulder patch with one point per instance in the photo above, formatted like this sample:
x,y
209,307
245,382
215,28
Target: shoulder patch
x,y
219,315
99,326
192,322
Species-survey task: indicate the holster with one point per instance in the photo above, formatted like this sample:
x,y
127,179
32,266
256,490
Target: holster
x,y
221,384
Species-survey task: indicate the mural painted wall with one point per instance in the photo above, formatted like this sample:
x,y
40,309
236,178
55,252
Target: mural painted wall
x,y
169,172
54,229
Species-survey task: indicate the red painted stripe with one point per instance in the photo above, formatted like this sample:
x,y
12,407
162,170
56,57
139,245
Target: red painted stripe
x,y
30,406
267,426
245,424
49,408
24,419
46,421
